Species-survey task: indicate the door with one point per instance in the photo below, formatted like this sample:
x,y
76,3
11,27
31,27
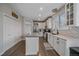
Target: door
x,y
56,44
9,32
51,39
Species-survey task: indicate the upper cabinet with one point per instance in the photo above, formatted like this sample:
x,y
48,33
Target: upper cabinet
x,y
70,13
66,16
76,14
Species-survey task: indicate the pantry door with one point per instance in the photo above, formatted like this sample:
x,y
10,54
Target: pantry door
x,y
9,32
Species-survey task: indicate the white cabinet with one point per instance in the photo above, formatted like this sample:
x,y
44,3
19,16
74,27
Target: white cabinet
x,y
56,44
63,43
32,45
10,32
59,45
70,13
76,14
66,17
62,47
50,39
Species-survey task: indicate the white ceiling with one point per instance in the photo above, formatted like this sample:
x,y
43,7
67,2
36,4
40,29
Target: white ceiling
x,y
36,11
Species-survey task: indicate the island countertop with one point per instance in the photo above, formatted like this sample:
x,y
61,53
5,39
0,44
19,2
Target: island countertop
x,y
34,35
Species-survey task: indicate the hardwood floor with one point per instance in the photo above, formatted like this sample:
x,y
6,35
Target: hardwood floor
x,y
19,50
43,52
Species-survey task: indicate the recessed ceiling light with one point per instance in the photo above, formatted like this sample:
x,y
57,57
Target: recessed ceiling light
x,y
41,8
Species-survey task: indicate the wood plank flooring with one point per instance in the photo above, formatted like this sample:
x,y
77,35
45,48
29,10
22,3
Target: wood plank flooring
x,y
19,50
43,52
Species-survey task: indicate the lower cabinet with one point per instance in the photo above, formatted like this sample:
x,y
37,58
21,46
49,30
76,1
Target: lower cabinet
x,y
62,46
59,45
50,39
56,44
32,45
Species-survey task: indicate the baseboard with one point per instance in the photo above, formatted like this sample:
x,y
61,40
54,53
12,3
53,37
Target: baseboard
x,y
12,49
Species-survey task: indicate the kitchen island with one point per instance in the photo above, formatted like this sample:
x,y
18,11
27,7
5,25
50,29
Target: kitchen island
x,y
32,44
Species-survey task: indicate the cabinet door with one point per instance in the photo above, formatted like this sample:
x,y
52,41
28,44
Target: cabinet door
x,y
70,13
10,32
56,44
51,40
32,45
76,14
62,47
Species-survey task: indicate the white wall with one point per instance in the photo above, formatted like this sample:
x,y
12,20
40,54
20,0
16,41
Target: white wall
x,y
7,8
1,35
27,26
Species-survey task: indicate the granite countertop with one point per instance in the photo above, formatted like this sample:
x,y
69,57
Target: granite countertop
x,y
67,36
34,35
